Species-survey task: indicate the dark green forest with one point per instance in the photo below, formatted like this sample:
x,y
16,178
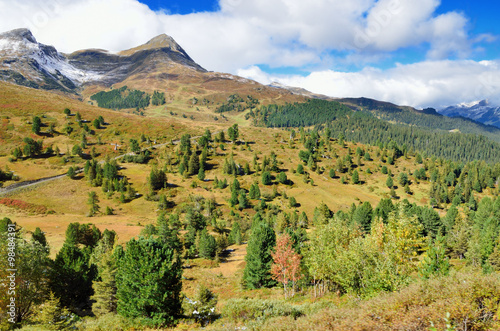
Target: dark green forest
x,y
365,127
122,98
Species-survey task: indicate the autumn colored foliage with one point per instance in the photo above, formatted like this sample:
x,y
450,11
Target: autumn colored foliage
x,y
286,263
22,205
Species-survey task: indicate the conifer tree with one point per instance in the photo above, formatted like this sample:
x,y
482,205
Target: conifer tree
x,y
435,263
235,234
257,271
282,178
194,164
52,314
93,201
36,125
233,133
242,200
266,178
389,182
105,285
71,277
355,177
363,216
207,245
149,290
201,174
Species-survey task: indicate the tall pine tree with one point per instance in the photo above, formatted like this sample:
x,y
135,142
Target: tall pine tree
x,y
257,272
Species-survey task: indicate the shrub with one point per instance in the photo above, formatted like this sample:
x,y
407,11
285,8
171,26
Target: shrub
x,y
257,309
202,308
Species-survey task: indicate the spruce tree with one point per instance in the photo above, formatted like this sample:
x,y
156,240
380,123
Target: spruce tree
x,y
207,245
71,277
201,174
266,178
194,164
149,290
363,216
37,124
257,271
389,182
93,201
282,178
355,177
235,234
233,201
242,200
432,222
105,285
435,263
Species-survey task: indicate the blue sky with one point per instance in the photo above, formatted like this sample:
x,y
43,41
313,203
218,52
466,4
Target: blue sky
x,y
479,14
419,53
183,7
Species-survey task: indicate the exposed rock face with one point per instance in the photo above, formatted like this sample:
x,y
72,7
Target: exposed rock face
x,y
479,111
24,61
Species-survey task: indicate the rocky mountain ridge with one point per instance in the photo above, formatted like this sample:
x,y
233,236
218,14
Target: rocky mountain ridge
x,y
26,62
479,111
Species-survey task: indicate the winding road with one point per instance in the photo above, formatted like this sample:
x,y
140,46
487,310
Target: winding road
x,y
29,183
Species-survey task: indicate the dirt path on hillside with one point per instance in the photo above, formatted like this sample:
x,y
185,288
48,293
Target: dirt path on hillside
x,y
29,183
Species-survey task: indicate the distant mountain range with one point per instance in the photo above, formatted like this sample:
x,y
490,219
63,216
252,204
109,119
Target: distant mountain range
x,y
162,64
479,111
26,62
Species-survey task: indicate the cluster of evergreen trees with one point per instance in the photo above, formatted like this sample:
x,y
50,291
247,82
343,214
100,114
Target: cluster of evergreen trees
x,y
456,183
158,98
427,118
124,98
93,275
363,127
192,162
108,178
236,103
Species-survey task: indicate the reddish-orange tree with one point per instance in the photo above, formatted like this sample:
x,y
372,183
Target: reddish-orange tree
x,y
286,263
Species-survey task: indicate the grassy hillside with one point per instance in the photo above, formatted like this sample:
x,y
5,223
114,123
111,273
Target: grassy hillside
x,y
324,174
68,197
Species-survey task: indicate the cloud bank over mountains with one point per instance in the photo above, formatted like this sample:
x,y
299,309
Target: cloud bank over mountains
x,y
425,84
315,36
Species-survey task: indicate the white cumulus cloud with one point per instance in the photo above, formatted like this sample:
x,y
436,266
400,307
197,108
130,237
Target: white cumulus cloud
x,y
426,84
242,33
322,34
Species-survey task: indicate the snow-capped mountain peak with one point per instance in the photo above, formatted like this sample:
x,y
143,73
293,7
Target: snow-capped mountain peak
x,y
481,111
20,51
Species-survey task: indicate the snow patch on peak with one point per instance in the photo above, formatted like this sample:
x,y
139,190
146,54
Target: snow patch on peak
x,y
19,34
20,44
480,103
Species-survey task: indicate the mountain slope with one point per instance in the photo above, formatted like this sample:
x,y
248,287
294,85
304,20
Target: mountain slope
x,y
159,64
115,68
480,111
26,62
